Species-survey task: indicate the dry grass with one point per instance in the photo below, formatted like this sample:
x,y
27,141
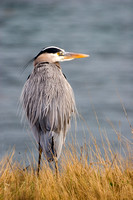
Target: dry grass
x,y
105,176
89,172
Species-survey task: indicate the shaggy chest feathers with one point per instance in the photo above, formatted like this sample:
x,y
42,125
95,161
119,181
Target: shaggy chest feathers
x,y
48,99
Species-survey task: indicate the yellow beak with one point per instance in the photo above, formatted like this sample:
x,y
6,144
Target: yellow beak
x,y
70,55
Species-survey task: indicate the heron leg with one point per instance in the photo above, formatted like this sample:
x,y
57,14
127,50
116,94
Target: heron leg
x,y
56,167
39,158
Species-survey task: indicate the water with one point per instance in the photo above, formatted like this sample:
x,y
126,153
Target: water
x,y
103,29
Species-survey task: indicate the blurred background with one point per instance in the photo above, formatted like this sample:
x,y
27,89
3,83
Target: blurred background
x,y
101,28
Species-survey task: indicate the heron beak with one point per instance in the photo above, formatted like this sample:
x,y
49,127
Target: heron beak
x,y
70,55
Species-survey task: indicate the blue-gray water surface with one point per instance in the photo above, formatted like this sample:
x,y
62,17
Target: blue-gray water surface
x,y
101,83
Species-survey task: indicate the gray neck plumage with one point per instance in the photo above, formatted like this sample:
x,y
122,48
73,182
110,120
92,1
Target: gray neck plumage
x,y
40,64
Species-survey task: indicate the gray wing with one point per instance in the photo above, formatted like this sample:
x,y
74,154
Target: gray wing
x,y
48,99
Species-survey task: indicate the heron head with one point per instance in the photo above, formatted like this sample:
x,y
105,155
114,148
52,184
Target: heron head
x,y
54,54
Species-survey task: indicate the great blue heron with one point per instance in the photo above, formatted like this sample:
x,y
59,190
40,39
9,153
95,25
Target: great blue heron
x,y
48,101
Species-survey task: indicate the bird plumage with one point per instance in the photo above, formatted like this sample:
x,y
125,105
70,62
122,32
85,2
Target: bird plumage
x,y
48,101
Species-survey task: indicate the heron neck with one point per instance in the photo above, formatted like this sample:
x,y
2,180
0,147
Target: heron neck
x,y
58,65
38,65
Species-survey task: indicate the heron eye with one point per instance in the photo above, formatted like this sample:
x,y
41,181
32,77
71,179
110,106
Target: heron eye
x,y
60,53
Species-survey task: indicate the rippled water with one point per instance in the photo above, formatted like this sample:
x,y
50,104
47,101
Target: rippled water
x,y
104,29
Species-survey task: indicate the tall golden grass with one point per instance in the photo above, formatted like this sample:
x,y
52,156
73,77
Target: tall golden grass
x,y
88,172
107,175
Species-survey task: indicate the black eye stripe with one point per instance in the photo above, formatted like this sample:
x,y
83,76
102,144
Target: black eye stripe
x,y
48,50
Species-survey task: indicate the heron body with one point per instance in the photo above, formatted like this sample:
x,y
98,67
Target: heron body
x,y
48,100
